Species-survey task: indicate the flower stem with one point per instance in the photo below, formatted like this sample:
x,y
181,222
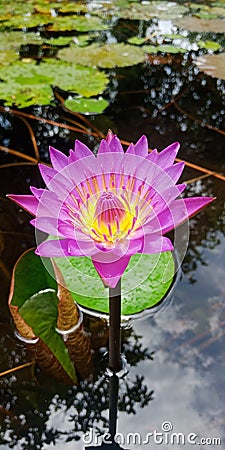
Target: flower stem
x,y
114,328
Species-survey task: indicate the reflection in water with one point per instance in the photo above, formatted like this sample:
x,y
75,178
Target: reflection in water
x,y
53,414
109,439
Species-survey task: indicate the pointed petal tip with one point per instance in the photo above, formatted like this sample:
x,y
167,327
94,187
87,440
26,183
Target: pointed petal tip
x,y
109,136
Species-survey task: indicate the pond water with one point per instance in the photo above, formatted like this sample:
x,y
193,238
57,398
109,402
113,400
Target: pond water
x,y
176,357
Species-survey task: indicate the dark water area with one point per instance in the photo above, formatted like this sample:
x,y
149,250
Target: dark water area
x,y
175,358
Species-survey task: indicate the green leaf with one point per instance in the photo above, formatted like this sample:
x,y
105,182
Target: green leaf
x,y
28,83
7,57
73,7
170,49
34,292
30,277
27,21
86,105
144,283
135,40
209,45
77,23
59,41
106,56
14,39
40,312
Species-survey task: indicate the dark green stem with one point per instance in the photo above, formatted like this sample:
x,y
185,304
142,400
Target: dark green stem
x,y
114,328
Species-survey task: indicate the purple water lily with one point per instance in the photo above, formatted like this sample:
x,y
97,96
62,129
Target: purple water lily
x,y
110,206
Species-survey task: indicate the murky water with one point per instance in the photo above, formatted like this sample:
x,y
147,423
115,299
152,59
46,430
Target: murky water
x,y
175,381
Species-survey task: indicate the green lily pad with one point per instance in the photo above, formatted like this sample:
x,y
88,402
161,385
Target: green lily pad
x,y
35,293
106,56
86,105
59,41
7,57
73,7
173,36
145,282
27,21
77,23
16,7
209,45
170,49
14,39
198,25
213,65
135,40
173,49
26,83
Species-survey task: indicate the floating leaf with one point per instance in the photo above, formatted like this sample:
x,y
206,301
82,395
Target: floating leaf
x,y
201,25
136,40
106,56
27,21
160,10
86,105
163,48
170,49
16,8
73,7
150,49
60,41
213,65
81,40
7,57
173,36
209,45
77,23
144,283
25,84
14,39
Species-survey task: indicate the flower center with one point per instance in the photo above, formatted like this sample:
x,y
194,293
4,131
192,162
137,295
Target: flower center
x,y
112,218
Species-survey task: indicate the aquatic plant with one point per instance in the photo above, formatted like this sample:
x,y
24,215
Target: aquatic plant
x,y
110,206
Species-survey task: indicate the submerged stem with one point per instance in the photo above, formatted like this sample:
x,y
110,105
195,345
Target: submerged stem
x,y
114,328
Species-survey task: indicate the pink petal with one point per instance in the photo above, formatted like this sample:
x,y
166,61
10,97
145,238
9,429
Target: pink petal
x,y
53,249
58,159
109,136
80,151
141,147
175,171
103,147
28,202
68,231
155,244
115,145
111,272
181,210
47,173
128,247
130,149
167,156
153,156
65,247
47,225
49,204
